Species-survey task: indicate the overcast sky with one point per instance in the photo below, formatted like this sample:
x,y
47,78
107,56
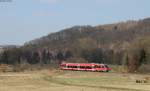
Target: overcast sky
x,y
25,20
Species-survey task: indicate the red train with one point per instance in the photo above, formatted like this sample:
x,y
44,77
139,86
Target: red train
x,y
85,67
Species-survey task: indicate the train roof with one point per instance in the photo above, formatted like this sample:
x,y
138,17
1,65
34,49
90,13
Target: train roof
x,y
82,64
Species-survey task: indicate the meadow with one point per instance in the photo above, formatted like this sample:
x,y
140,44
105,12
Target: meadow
x,y
58,80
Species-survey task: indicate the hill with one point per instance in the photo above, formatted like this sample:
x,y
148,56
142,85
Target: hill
x,y
108,43
102,34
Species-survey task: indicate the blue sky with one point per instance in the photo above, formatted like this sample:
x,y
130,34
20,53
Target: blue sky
x,y
25,20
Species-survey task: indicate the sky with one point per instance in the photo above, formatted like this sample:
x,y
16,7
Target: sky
x,y
25,20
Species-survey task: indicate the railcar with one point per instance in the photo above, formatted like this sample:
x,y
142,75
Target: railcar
x,y
85,67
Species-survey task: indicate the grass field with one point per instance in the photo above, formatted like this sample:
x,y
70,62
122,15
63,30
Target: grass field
x,y
56,80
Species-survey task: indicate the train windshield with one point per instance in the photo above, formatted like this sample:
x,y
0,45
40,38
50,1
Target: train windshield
x,y
106,66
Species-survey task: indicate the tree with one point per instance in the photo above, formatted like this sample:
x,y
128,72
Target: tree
x,y
138,53
35,58
68,54
27,55
60,57
4,57
93,56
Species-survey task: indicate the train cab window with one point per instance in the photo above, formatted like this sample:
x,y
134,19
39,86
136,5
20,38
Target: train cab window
x,y
106,66
65,66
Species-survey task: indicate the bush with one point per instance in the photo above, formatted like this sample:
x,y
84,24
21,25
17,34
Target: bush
x,y
144,68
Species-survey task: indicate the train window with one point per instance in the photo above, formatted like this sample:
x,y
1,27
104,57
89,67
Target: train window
x,y
102,67
82,67
72,66
69,66
97,66
88,67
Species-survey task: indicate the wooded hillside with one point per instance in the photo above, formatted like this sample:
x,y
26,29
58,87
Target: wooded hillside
x,y
124,43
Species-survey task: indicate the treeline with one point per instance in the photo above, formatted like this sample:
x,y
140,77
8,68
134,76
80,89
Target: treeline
x,y
136,55
15,56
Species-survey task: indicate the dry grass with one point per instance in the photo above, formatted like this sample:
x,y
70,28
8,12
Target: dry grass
x,y
5,68
55,80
